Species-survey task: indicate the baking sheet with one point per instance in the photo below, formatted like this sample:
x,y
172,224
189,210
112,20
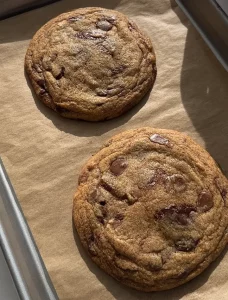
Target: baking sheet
x,y
43,153
26,271
211,22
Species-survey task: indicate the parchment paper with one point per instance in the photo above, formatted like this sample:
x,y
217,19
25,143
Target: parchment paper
x,y
43,153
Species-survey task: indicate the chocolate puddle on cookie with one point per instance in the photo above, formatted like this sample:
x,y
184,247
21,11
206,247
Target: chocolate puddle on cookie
x,y
179,214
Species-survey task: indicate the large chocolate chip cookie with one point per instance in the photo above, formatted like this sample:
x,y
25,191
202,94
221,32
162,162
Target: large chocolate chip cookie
x,y
91,63
152,208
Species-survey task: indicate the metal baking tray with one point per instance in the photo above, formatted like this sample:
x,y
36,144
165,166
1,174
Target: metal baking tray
x,y
14,7
210,17
23,275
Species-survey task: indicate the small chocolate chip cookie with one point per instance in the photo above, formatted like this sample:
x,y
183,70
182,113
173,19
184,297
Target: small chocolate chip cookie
x,y
152,208
90,63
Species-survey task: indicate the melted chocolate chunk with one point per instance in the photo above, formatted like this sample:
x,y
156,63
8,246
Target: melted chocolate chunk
x,y
91,35
110,19
178,214
158,139
41,83
104,25
158,177
42,92
61,73
107,187
205,201
186,244
118,166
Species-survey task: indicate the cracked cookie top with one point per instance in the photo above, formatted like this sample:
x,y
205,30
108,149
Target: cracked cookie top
x,y
151,208
90,63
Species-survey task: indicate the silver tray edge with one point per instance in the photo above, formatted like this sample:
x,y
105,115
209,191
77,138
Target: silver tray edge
x,y
20,251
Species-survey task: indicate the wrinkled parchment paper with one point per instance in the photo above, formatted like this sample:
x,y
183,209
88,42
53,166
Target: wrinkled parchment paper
x,y
43,153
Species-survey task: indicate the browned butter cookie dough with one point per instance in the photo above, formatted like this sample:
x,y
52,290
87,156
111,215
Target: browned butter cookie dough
x,y
151,208
90,63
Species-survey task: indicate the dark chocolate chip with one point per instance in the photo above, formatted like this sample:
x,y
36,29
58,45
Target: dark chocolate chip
x,y
61,73
158,139
158,177
205,201
91,35
107,187
42,92
186,244
102,203
118,166
178,214
41,83
104,25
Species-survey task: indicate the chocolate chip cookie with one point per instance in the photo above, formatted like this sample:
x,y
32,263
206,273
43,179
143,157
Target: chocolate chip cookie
x,y
90,63
151,208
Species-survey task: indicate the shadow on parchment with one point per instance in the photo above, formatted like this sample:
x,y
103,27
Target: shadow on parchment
x,y
85,128
121,292
204,92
